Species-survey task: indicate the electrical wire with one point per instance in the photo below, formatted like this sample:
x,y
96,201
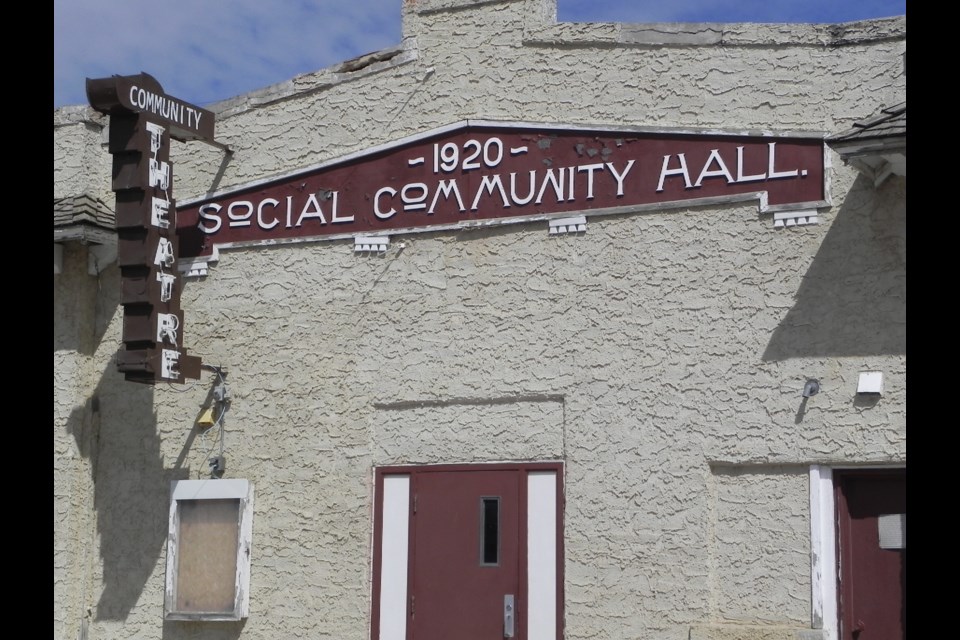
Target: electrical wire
x,y
210,450
223,405
181,388
219,438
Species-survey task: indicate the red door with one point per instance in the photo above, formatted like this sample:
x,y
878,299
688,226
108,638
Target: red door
x,y
465,560
871,517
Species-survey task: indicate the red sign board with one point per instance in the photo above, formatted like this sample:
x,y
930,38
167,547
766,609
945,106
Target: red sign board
x,y
478,174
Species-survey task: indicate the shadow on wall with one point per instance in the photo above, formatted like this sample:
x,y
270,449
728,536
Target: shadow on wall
x,y
116,430
853,298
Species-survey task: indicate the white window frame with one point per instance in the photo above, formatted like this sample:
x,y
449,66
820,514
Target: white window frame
x,y
213,489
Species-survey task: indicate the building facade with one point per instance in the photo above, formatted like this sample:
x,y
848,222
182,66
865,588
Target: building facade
x,y
543,409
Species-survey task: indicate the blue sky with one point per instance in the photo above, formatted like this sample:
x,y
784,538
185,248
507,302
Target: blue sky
x,y
204,52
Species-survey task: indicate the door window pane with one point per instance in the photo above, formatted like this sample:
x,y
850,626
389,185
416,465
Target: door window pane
x,y
489,532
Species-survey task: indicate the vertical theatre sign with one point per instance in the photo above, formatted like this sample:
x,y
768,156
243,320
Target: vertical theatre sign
x,y
142,121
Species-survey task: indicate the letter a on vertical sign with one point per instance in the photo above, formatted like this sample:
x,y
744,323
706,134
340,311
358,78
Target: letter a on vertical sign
x,y
142,121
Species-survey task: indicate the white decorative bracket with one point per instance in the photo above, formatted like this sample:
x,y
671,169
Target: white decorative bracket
x,y
197,267
371,244
577,224
794,218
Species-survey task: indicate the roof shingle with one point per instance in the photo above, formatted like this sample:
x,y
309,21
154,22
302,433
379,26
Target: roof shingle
x,y
891,122
82,209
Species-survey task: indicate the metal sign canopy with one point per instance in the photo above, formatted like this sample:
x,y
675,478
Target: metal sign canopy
x,y
143,94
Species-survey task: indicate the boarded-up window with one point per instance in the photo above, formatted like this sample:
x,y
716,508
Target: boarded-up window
x,y
207,567
208,550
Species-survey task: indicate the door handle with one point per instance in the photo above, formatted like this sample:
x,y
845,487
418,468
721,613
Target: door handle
x,y
859,628
509,615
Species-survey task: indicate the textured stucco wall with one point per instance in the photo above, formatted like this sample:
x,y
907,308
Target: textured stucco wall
x,y
660,356
80,162
759,560
71,473
80,354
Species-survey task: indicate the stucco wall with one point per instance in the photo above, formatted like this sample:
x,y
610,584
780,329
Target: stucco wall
x,y
81,164
660,356
71,472
83,307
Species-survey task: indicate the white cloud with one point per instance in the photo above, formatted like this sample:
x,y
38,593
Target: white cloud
x,y
727,10
204,51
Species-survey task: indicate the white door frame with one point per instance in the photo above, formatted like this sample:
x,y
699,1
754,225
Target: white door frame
x,y
544,551
825,610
